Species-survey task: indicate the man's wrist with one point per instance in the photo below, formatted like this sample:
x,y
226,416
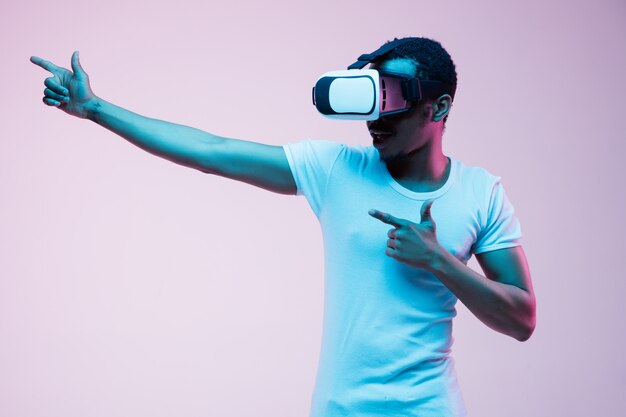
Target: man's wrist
x,y
440,261
92,108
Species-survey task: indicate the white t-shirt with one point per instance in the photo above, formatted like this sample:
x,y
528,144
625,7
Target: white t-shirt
x,y
387,330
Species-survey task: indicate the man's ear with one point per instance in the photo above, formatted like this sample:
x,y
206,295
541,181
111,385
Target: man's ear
x,y
441,107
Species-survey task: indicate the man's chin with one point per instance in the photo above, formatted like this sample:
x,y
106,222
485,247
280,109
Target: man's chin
x,y
384,155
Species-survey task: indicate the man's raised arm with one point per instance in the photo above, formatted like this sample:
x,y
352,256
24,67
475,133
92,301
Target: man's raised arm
x,y
258,164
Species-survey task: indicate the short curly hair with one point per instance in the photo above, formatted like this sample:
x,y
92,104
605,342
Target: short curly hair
x,y
434,62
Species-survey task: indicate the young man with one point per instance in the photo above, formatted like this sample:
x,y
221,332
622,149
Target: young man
x,y
390,293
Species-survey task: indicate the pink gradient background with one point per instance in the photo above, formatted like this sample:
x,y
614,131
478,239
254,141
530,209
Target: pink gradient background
x,y
132,286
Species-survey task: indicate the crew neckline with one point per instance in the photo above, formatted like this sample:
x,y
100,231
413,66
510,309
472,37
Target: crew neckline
x,y
414,194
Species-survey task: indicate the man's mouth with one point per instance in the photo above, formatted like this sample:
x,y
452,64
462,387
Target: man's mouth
x,y
380,136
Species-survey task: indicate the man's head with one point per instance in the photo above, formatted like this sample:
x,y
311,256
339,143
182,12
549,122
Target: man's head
x,y
425,59
430,61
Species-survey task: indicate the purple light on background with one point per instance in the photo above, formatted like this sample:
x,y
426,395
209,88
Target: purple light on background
x,y
133,286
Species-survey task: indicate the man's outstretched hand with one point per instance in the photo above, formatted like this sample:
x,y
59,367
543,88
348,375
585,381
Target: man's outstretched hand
x,y
68,90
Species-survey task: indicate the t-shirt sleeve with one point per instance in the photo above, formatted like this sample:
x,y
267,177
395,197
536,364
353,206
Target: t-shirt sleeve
x,y
311,163
501,228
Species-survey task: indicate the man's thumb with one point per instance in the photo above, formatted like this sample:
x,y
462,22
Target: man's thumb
x,y
76,67
425,212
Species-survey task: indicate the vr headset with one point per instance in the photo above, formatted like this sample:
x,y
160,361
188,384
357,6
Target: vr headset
x,y
368,94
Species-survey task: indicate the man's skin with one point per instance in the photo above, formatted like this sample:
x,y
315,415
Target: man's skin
x,y
504,300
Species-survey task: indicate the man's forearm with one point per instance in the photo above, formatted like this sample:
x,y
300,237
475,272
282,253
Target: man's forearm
x,y
181,144
504,308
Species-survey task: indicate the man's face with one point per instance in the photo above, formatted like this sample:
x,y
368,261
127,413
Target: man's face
x,y
399,135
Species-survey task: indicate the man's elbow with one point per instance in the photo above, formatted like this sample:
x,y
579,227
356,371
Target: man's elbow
x,y
527,326
525,335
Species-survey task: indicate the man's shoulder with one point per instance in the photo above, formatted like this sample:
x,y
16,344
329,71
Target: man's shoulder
x,y
474,171
476,178
349,152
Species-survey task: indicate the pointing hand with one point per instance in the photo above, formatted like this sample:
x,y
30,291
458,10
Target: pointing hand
x,y
412,243
68,90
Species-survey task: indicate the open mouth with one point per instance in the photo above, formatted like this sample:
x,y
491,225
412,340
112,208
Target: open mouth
x,y
380,137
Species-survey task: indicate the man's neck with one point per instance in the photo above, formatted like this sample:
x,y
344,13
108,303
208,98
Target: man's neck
x,y
424,170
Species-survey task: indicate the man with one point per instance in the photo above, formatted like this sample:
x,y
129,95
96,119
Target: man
x,y
389,292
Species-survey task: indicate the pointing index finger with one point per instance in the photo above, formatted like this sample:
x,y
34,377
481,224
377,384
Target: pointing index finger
x,y
47,65
386,218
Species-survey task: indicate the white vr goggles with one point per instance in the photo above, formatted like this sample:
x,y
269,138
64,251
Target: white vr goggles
x,y
368,94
